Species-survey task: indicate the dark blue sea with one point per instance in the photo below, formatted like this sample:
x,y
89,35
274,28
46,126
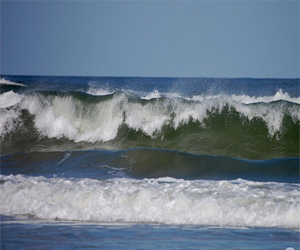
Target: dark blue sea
x,y
147,163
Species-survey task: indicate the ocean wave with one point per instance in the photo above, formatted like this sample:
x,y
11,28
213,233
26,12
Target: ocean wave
x,y
3,81
237,203
246,99
9,98
208,126
149,163
94,89
152,95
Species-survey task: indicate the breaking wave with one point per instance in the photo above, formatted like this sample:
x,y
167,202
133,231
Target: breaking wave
x,y
3,81
165,200
257,128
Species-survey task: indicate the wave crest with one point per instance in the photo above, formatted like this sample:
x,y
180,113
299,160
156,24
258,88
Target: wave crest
x,y
3,81
123,118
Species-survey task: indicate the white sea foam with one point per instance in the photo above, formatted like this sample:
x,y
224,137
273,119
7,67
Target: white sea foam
x,y
67,156
94,89
9,117
152,95
64,116
246,99
10,98
224,203
7,82
8,121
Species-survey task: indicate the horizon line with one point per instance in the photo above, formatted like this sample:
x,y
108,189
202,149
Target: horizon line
x,y
211,77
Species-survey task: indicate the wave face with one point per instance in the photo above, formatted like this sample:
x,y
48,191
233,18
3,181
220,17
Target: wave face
x,y
235,126
220,152
143,163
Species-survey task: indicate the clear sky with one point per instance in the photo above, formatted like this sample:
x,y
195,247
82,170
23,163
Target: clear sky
x,y
151,38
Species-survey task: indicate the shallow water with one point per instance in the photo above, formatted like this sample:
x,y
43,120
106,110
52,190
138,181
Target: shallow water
x,y
31,233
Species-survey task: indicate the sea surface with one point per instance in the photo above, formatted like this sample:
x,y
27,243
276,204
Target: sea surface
x,y
147,163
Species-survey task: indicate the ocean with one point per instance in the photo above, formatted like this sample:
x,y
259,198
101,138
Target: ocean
x,y
147,163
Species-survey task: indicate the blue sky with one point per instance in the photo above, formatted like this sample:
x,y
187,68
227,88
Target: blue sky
x,y
151,38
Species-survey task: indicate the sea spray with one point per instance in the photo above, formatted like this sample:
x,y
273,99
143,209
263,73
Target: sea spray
x,y
160,151
205,126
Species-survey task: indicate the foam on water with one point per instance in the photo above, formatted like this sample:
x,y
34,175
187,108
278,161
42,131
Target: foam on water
x,y
9,117
10,98
64,117
246,99
57,116
154,94
94,89
7,82
8,120
224,203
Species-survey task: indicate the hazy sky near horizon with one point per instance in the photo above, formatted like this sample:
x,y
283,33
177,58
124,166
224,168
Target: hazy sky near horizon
x,y
151,38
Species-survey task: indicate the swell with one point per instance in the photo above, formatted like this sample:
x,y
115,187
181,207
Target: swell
x,y
220,125
149,163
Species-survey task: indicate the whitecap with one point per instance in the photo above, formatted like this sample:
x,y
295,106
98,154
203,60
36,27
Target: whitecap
x,y
236,203
7,82
10,98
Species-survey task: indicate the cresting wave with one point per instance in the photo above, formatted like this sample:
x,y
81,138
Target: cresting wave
x,y
201,125
209,152
165,200
7,82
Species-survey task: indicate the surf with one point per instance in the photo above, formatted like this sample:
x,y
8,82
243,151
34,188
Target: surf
x,y
219,125
175,151
236,203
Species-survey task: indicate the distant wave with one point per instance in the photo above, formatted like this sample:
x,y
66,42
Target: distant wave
x,y
154,94
7,82
94,89
246,99
257,128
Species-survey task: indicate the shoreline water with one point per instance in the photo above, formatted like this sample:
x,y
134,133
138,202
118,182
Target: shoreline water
x,y
32,233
